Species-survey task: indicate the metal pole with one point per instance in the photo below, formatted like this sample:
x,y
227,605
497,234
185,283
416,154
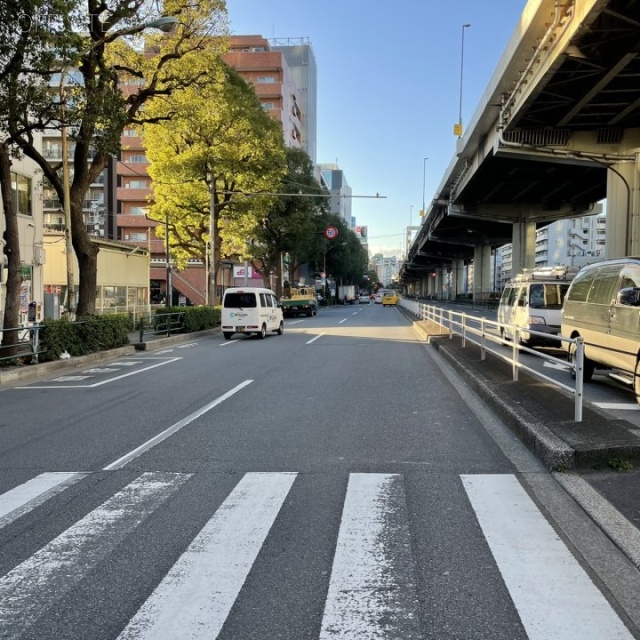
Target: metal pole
x,y
424,175
71,297
212,233
167,302
464,26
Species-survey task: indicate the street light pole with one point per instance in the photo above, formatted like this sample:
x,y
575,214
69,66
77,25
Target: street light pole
x,y
424,175
211,289
459,131
169,297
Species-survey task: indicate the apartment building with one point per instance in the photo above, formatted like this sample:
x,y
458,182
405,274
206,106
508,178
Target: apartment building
x,y
270,75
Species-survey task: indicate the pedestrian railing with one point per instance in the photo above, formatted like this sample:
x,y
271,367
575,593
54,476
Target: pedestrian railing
x,y
486,334
26,346
160,324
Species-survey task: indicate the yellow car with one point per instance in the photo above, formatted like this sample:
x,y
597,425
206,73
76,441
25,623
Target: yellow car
x,y
389,299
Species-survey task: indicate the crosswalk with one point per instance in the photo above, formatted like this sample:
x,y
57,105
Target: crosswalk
x,y
373,591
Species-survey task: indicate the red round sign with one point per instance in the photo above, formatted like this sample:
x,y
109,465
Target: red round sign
x,y
330,233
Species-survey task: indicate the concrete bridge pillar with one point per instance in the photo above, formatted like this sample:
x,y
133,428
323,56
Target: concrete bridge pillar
x,y
481,272
457,277
524,246
623,209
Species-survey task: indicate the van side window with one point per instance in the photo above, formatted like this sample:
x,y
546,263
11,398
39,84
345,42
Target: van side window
x,y
274,300
603,290
512,296
630,278
265,300
581,285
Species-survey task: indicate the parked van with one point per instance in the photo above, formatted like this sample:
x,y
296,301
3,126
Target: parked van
x,y
533,301
603,307
251,310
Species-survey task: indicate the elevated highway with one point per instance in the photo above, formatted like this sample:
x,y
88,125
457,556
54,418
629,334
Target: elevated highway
x,y
556,131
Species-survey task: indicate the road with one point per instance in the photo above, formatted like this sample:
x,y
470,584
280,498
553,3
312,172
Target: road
x,y
334,482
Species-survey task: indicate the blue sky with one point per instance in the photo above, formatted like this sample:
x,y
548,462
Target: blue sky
x,y
389,90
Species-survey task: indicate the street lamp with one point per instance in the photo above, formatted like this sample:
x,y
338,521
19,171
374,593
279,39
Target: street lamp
x,y
457,129
424,175
211,284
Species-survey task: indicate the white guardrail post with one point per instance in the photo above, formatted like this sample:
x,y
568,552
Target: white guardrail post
x,y
515,353
483,339
579,378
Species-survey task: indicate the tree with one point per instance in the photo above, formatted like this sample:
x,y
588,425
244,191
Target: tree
x,y
220,144
26,56
108,47
289,225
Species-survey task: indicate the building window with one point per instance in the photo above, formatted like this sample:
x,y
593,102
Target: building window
x,y
135,237
268,106
136,158
266,80
137,211
130,133
21,187
137,184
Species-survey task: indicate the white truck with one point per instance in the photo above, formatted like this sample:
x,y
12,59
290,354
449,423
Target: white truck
x,y
347,294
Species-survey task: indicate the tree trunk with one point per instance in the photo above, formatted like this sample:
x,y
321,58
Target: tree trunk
x,y
12,250
87,254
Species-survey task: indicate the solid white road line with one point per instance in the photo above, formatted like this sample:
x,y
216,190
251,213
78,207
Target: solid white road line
x,y
109,380
195,597
372,591
619,406
121,462
315,338
555,598
34,492
41,580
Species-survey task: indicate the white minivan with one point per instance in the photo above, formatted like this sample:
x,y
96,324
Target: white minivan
x,y
532,301
251,310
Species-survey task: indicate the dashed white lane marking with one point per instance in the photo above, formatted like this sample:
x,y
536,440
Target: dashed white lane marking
x,y
315,338
121,462
554,596
196,596
343,320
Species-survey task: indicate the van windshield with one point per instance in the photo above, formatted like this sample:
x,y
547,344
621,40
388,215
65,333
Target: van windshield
x,y
547,296
239,300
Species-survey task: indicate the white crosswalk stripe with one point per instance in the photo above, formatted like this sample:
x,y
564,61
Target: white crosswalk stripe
x,y
35,584
554,596
195,598
372,591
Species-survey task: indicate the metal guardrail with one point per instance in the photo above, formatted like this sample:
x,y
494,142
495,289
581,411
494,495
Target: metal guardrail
x,y
160,324
27,345
484,332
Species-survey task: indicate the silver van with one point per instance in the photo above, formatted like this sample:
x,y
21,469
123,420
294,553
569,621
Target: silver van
x,y
603,307
532,301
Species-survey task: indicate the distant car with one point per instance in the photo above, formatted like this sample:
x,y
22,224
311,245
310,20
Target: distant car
x,y
364,299
389,299
378,298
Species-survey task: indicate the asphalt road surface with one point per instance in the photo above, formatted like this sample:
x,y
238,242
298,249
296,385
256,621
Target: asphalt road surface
x,y
335,482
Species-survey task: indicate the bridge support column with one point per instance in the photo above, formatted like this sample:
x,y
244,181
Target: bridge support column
x,y
457,278
623,209
481,273
524,246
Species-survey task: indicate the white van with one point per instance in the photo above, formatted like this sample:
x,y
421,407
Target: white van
x,y
251,310
603,307
533,301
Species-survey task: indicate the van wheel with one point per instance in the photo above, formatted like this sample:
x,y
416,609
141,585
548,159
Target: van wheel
x,y
227,335
280,328
263,332
589,365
